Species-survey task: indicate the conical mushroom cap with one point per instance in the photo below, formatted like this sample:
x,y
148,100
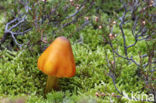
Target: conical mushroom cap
x,y
58,60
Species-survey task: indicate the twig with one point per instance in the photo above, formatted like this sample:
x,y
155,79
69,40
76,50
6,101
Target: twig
x,y
16,23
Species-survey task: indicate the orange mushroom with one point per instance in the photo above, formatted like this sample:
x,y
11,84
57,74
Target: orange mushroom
x,y
57,61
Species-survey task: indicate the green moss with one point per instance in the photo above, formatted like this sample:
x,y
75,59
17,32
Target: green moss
x,y
20,77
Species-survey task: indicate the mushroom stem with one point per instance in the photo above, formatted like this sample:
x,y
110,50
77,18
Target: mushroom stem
x,y
51,84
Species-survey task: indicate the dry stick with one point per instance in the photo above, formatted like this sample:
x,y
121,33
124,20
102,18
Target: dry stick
x,y
143,31
78,16
123,34
112,76
19,20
